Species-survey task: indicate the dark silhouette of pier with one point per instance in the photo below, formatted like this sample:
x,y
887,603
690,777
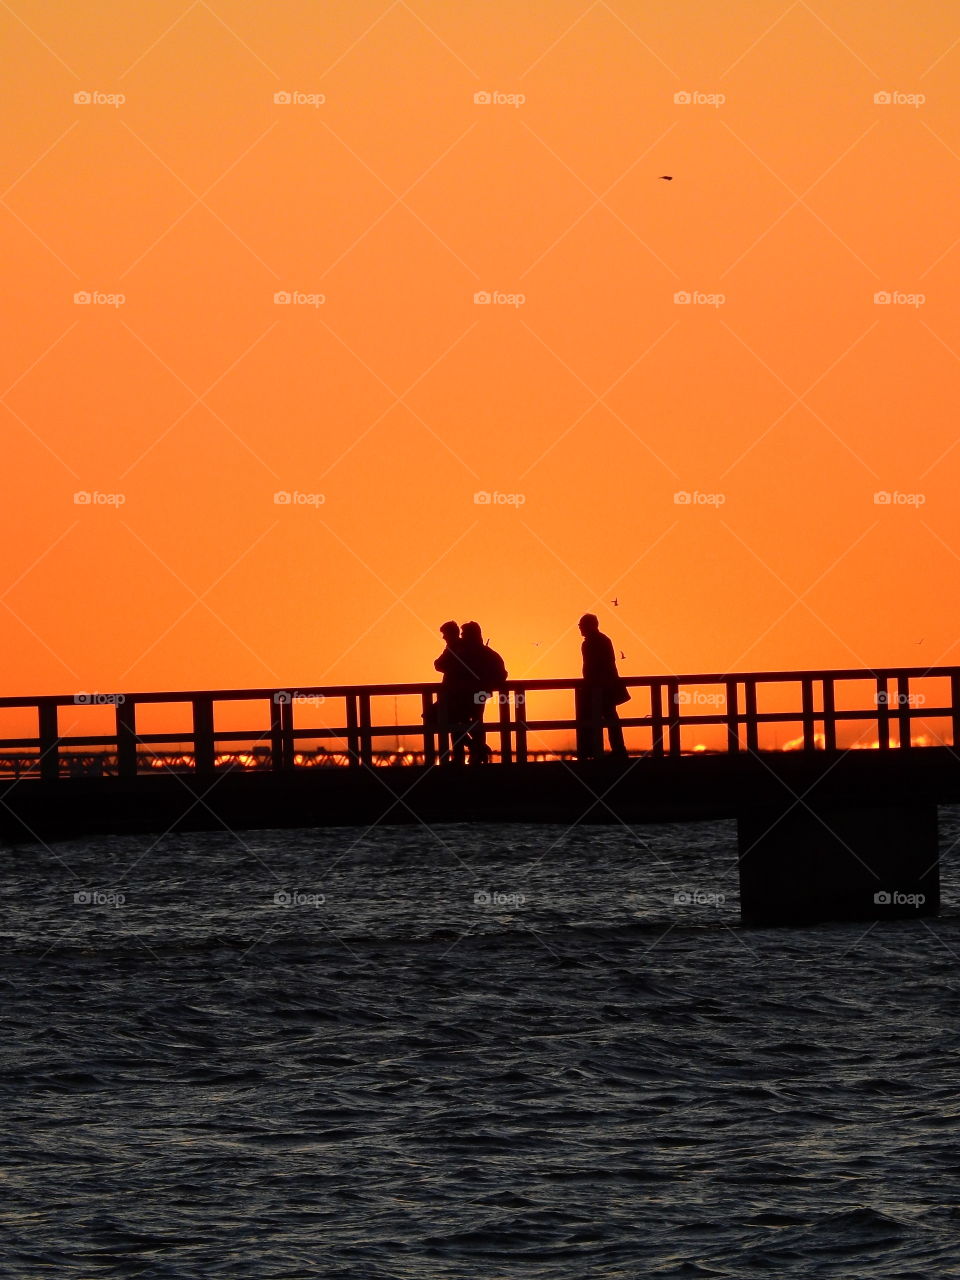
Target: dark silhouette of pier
x,y
825,831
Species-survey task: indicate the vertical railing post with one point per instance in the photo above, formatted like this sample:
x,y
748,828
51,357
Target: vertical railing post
x,y
49,734
829,715
673,717
287,740
506,747
955,707
203,743
882,698
126,722
904,716
750,711
276,729
656,718
428,709
353,736
807,713
733,716
366,738
520,728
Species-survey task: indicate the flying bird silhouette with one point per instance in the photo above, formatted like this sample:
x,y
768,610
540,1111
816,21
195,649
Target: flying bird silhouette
x,y
615,602
666,177
622,655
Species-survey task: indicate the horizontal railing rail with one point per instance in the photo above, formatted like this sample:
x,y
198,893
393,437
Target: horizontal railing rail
x,y
675,704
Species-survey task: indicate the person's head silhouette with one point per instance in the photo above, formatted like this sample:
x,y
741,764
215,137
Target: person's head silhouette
x,y
450,632
588,623
471,633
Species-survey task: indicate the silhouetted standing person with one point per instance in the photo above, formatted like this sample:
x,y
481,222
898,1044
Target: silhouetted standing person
x,y
449,705
470,670
600,694
484,671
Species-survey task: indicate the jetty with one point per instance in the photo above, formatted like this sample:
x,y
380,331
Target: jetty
x,y
833,777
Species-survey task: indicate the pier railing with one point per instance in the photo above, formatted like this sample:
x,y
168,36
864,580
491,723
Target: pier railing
x,y
739,709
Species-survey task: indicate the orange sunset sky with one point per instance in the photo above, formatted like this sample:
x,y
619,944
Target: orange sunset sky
x,y
783,397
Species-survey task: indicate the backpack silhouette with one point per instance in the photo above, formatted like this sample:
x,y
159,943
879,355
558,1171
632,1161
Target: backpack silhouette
x,y
494,668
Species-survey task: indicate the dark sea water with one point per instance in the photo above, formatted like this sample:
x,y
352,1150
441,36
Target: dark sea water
x,y
398,1081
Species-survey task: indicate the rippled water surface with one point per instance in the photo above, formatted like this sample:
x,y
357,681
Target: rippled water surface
x,y
299,1054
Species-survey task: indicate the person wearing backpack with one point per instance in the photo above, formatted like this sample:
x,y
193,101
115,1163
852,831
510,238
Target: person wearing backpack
x,y
483,671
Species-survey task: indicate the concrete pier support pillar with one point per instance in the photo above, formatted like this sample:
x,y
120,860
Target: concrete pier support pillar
x,y
799,866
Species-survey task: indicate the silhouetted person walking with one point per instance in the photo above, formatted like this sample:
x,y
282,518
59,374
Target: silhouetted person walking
x,y
601,692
